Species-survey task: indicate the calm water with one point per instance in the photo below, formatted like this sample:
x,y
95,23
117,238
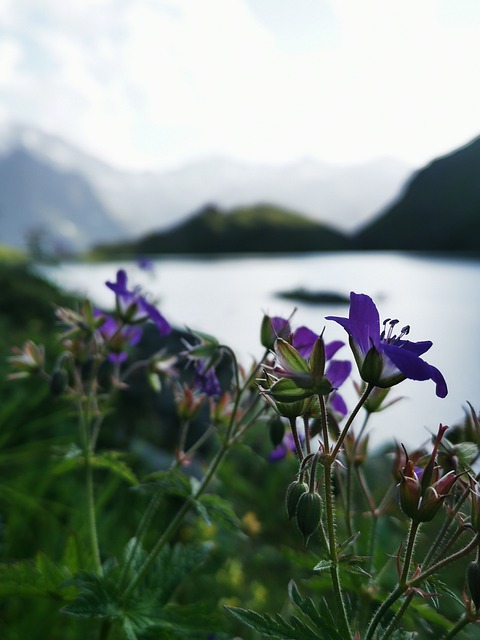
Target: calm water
x,y
439,298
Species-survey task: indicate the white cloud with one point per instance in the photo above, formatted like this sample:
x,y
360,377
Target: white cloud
x,y
141,82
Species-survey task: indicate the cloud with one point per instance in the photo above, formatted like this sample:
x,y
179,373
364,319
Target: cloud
x,y
141,83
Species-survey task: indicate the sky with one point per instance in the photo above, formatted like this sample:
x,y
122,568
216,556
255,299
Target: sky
x,y
155,84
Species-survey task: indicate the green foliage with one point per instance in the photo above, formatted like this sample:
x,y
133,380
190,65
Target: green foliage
x,y
149,607
311,623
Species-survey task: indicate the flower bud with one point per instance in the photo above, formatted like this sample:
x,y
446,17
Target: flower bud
x,y
371,369
473,581
277,431
308,513
294,491
58,382
273,328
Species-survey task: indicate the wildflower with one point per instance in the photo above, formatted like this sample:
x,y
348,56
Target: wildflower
x,y
117,336
286,446
301,367
133,306
383,358
206,380
28,361
144,263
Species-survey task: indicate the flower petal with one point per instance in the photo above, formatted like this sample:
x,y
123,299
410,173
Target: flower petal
x,y
363,323
303,341
415,368
338,371
332,347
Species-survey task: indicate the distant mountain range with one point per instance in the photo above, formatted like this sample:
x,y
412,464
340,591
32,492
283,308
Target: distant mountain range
x,y
439,210
222,205
38,172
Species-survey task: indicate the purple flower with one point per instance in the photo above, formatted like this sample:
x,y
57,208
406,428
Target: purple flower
x,y
145,263
133,305
206,380
283,449
117,336
383,358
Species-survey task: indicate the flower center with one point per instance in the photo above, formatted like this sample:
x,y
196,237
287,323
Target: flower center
x,y
387,334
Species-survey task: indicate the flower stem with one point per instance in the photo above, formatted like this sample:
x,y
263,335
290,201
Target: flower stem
x,y
228,441
330,516
401,586
174,524
457,628
369,388
89,490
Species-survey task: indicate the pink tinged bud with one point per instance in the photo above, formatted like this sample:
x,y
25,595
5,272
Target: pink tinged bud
x,y
410,496
429,505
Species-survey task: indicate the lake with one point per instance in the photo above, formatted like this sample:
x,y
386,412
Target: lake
x,y
438,297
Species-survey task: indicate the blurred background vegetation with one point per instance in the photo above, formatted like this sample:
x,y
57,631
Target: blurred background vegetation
x,y
251,564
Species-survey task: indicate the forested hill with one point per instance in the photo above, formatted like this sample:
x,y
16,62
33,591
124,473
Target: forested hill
x,y
257,229
438,211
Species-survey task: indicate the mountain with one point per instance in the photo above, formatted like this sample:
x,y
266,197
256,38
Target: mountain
x,y
439,209
144,201
40,204
258,229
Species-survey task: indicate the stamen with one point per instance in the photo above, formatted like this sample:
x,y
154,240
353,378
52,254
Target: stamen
x,y
390,330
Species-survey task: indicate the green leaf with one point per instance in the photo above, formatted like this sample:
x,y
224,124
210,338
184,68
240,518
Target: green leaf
x,y
323,565
274,627
348,542
351,563
110,460
170,568
98,597
320,617
218,510
171,482
41,578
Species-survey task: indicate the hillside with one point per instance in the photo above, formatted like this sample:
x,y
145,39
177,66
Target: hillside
x,y
143,201
58,207
438,211
262,228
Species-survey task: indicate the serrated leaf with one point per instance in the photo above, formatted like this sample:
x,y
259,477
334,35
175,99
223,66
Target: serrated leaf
x,y
171,482
274,627
41,578
320,617
110,460
218,510
98,597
